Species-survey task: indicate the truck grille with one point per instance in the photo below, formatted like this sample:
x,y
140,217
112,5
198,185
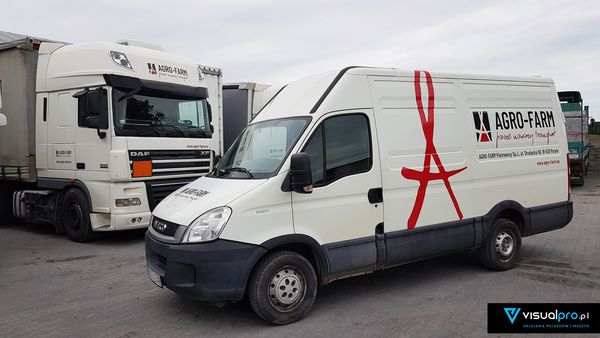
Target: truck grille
x,y
173,163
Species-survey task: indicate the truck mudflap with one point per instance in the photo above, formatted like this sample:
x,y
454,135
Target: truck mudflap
x,y
549,217
216,271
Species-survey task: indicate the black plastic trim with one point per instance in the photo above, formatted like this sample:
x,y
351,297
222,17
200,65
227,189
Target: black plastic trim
x,y
549,217
161,89
45,109
330,88
375,195
217,271
317,250
60,183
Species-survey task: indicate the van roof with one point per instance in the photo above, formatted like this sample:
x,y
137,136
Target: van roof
x,y
305,96
379,71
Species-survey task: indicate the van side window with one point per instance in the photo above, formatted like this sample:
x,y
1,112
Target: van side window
x,y
340,146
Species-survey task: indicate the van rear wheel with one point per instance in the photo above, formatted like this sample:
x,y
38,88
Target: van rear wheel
x,y
282,288
502,247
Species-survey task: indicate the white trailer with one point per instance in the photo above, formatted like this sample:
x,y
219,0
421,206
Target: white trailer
x,y
99,133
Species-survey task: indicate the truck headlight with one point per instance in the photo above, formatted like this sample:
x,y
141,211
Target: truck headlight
x,y
208,226
127,202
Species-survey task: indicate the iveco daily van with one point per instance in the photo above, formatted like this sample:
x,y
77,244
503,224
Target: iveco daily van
x,y
363,169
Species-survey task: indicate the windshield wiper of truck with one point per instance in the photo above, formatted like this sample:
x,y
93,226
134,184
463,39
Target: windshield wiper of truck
x,y
131,93
204,134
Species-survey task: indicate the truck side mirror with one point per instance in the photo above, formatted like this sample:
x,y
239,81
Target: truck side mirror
x,y
301,173
3,121
93,109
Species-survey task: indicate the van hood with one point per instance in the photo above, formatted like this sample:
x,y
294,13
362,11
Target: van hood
x,y
192,200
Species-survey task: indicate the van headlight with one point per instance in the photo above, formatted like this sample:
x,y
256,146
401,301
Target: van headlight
x,y
208,226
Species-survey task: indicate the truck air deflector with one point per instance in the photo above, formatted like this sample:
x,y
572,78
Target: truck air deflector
x,y
153,88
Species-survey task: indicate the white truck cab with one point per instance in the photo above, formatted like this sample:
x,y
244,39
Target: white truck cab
x,y
362,169
100,132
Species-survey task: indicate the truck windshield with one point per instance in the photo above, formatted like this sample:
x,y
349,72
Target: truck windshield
x,y
144,115
261,148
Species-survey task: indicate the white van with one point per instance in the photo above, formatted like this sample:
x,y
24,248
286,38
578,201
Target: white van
x,y
359,170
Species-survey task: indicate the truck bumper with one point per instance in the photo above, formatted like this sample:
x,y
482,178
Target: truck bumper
x,y
216,271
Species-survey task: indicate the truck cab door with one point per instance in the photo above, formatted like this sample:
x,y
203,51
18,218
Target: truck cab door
x,y
61,123
345,209
92,134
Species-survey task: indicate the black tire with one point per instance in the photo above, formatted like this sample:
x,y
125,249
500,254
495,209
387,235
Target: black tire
x,y
502,247
75,216
282,288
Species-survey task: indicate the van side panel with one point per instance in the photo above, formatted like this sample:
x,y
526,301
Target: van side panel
x,y
402,146
520,152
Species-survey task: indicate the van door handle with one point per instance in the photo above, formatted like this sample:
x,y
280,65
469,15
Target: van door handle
x,y
375,195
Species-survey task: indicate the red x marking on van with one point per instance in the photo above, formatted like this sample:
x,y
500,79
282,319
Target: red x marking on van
x,y
425,176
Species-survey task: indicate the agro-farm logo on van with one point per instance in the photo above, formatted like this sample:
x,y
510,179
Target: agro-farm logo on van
x,y
482,126
514,125
169,71
425,176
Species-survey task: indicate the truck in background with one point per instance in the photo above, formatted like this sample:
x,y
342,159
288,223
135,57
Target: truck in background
x,y
213,77
241,102
99,132
577,120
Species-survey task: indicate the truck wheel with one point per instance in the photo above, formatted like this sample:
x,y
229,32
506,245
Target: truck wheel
x,y
282,288
501,249
76,216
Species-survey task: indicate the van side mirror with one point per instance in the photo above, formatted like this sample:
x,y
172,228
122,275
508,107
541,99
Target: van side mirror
x,y
301,173
92,109
3,121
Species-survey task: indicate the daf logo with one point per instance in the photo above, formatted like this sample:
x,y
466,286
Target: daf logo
x,y
139,153
159,226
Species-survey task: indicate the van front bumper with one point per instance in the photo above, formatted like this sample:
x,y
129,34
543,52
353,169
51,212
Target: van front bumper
x,y
216,271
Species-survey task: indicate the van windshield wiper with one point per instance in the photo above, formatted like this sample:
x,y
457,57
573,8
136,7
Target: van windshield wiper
x,y
241,170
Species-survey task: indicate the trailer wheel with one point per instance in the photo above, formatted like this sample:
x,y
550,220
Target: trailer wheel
x,y
282,288
502,247
75,214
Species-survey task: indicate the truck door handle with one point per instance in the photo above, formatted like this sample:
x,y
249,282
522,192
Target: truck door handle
x,y
375,195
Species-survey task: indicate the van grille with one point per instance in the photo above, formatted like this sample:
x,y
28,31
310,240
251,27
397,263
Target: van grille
x,y
157,190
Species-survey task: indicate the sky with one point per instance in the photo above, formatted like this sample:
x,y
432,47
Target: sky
x,y
276,42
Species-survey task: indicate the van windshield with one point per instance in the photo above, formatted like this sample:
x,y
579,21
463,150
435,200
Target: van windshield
x,y
261,148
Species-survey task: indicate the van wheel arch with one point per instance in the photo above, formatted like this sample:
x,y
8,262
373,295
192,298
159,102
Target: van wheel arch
x,y
306,246
510,210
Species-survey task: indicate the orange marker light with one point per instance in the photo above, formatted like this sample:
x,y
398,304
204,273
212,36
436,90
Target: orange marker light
x,y
142,168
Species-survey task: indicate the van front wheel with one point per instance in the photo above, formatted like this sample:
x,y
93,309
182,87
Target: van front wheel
x,y
501,249
282,288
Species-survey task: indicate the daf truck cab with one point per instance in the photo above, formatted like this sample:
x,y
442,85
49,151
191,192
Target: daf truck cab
x,y
99,132
362,169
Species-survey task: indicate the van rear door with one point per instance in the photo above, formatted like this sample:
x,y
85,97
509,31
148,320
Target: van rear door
x,y
345,207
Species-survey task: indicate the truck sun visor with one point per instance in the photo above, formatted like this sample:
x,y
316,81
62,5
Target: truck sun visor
x,y
161,89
